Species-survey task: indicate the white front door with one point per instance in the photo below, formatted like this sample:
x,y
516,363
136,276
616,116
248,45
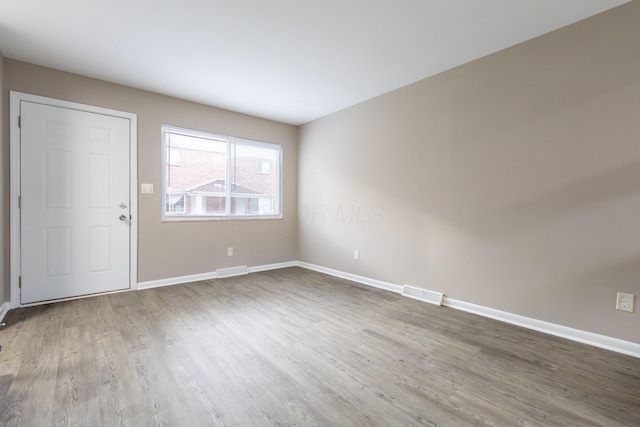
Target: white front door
x,y
75,202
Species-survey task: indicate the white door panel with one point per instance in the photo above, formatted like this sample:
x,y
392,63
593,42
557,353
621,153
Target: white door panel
x,y
74,188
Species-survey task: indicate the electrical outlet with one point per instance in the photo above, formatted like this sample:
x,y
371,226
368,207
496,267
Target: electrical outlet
x,y
356,255
230,251
624,302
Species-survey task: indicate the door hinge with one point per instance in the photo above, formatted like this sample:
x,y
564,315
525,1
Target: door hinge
x,y
19,121
19,202
20,282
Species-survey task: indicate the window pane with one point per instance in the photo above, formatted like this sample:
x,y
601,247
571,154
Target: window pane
x,y
174,203
199,174
256,184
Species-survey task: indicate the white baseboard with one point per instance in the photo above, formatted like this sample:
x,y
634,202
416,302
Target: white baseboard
x,y
207,276
176,280
277,266
4,309
354,278
596,340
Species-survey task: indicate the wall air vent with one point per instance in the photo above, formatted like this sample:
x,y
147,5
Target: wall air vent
x,y
422,295
233,271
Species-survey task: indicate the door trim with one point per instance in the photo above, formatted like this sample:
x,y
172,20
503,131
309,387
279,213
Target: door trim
x,y
14,162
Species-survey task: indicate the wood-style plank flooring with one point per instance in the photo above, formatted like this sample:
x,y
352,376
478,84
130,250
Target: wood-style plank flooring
x,y
293,347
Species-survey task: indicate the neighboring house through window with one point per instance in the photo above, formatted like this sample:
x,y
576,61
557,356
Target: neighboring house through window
x,y
198,167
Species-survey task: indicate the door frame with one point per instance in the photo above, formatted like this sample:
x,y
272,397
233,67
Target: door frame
x,y
14,166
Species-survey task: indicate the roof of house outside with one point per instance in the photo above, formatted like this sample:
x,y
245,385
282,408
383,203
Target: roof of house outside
x,y
218,186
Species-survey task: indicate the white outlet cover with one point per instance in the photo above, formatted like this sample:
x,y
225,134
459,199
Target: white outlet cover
x,y
625,302
146,188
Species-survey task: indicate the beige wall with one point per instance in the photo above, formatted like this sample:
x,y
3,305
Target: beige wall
x,y
512,182
167,250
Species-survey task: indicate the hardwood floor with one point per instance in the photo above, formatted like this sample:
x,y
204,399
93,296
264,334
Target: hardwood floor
x,y
296,347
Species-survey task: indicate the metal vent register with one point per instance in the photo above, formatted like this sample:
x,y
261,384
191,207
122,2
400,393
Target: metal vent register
x,y
233,271
423,295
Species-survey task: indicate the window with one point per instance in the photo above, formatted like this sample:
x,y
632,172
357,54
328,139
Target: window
x,y
215,176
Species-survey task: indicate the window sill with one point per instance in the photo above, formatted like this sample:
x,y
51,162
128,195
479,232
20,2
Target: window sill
x,y
219,218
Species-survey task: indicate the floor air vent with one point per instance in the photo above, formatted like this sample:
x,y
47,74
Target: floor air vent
x,y
422,295
233,271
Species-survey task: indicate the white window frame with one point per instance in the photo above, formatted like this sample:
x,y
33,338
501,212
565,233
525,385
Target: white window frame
x,y
232,142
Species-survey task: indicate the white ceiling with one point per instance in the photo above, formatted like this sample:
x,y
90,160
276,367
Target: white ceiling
x,y
287,60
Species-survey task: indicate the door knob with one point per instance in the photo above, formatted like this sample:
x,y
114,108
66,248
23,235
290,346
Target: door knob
x,y
123,218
